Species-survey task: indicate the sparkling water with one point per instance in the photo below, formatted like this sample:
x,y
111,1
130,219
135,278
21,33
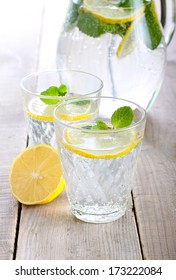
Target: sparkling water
x,y
98,189
136,77
40,132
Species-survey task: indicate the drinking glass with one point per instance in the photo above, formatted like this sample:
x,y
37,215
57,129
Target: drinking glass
x,y
98,164
39,110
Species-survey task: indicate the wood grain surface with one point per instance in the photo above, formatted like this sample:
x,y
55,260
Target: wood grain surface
x,y
155,190
51,232
18,57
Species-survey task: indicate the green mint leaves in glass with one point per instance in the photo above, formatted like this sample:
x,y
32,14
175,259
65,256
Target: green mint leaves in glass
x,y
43,91
54,92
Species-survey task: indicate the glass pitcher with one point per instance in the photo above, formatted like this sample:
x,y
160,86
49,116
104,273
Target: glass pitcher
x,y
122,42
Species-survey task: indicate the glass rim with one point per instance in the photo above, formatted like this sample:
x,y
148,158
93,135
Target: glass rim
x,y
117,130
29,92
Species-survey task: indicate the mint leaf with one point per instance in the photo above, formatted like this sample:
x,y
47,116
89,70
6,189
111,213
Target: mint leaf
x,y
119,29
149,28
89,25
100,125
53,91
92,26
62,90
122,117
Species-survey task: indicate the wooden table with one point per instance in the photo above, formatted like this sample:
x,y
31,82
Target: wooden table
x,y
29,32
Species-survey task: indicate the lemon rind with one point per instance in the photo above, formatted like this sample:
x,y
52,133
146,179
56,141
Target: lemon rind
x,y
40,118
74,118
55,193
103,156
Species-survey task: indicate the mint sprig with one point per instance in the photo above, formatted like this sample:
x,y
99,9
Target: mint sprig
x,y
55,92
122,117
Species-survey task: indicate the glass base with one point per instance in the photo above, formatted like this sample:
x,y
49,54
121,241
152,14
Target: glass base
x,y
98,218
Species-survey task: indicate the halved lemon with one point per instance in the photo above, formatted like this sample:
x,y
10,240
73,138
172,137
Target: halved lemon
x,y
104,11
99,145
75,111
35,175
38,110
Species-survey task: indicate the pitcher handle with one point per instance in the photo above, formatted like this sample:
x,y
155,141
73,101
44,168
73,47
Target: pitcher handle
x,y
168,18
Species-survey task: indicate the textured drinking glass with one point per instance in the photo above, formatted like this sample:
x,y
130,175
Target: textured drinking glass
x,y
39,111
98,165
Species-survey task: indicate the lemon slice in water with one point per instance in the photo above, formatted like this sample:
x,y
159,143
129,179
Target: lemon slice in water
x,y
75,111
38,110
99,145
128,43
104,11
130,40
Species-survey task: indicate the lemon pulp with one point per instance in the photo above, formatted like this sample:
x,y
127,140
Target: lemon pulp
x,y
35,175
109,13
74,111
99,145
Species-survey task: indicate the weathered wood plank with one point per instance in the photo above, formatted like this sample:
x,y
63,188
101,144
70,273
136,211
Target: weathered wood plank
x,y
19,45
50,231
155,190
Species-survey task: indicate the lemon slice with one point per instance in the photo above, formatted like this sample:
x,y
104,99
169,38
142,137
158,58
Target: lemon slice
x,y
99,145
130,40
75,111
38,110
112,14
35,175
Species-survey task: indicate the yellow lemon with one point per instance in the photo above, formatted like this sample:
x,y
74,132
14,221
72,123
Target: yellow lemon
x,y
35,175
